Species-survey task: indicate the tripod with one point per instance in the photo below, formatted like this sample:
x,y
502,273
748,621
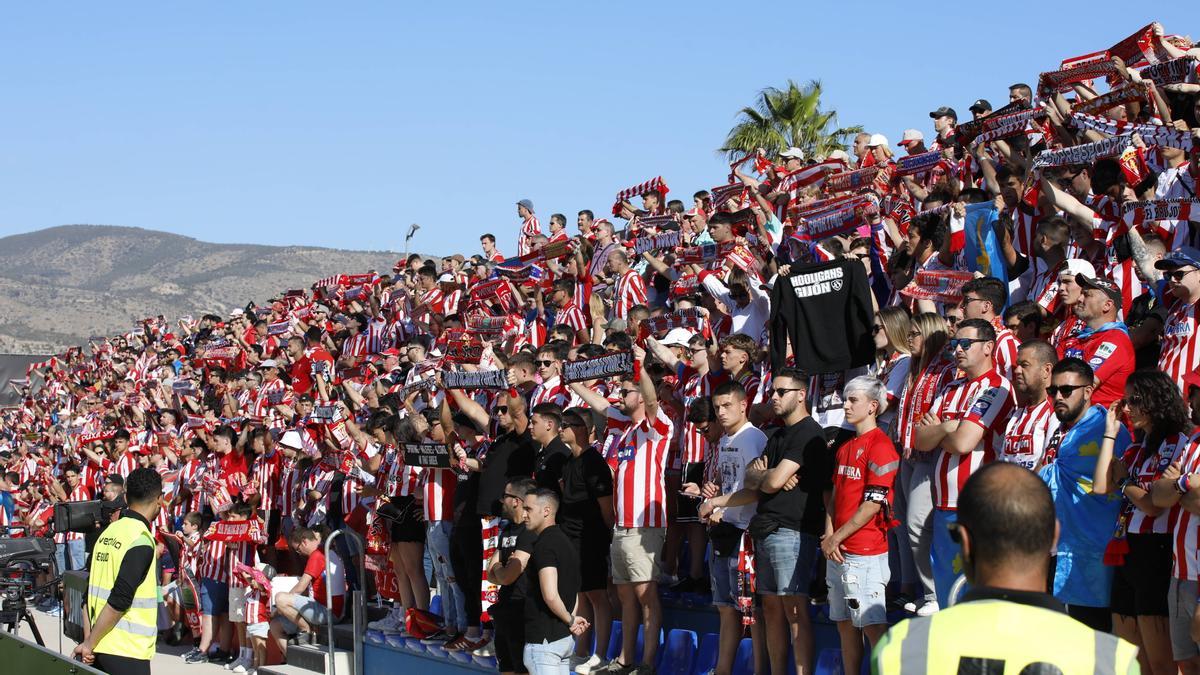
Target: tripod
x,y
14,610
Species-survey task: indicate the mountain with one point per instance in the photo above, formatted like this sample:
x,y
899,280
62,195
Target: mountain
x,y
60,285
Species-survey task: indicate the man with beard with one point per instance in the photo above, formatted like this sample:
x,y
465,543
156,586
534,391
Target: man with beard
x,y
1081,581
1033,421
506,568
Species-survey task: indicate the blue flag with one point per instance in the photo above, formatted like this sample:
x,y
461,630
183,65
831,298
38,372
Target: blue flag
x,y
1087,520
982,248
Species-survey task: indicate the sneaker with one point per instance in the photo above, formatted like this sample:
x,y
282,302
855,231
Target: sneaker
x,y
486,651
642,669
613,667
465,644
55,611
234,663
900,601
242,667
590,665
221,658
386,624
196,656
928,609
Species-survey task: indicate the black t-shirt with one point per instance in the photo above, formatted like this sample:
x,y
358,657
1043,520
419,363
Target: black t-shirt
x,y
511,456
515,538
548,465
553,549
803,443
1146,307
585,479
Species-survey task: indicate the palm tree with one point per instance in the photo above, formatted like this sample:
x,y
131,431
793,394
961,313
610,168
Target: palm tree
x,y
788,117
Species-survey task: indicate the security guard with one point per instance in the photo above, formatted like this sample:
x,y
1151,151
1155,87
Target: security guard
x,y
1006,623
123,593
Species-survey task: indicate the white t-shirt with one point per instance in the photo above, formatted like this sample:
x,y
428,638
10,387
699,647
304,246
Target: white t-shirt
x,y
734,453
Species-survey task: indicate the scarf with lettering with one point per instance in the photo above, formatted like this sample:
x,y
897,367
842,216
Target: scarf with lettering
x,y
1061,80
914,164
1087,153
937,285
494,292
1137,214
1126,93
1006,126
1184,70
654,184
968,130
657,242
690,318
854,180
1152,134
721,195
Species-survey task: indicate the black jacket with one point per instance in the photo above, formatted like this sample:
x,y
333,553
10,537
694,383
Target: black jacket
x,y
825,310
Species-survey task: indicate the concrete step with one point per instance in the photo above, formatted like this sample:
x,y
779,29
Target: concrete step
x,y
343,636
314,659
284,669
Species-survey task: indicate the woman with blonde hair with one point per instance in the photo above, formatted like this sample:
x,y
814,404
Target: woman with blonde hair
x,y
892,358
930,368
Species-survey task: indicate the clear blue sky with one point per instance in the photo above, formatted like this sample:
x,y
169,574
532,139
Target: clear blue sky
x,y
338,124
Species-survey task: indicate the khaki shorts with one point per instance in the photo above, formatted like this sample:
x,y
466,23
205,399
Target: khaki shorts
x,y
237,604
635,552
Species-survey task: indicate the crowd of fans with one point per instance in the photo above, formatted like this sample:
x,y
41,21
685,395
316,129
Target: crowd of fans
x,y
562,432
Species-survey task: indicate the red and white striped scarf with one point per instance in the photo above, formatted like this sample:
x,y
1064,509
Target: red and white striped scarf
x,y
1153,134
1119,96
1088,153
654,184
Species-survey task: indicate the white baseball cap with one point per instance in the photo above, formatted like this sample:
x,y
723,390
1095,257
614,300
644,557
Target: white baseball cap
x,y
877,139
792,153
911,136
291,439
677,337
1075,266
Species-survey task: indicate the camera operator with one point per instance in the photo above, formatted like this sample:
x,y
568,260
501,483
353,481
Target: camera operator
x,y
123,590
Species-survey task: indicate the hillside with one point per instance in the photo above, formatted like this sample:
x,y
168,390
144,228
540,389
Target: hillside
x,y
60,285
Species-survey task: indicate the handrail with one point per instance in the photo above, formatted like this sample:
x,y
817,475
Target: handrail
x,y
362,574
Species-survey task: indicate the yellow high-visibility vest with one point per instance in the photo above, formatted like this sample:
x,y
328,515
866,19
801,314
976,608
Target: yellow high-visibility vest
x,y
136,633
997,636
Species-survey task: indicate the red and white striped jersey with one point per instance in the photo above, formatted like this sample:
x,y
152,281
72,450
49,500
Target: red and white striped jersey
x,y
550,391
572,316
986,401
265,474
356,345
529,227
243,552
561,235
1185,525
1026,434
630,291
402,480
1005,353
693,386
188,473
125,465
640,489
213,562
269,395
439,494
1147,466
289,484
1180,353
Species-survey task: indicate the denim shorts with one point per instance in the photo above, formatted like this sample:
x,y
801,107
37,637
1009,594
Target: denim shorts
x,y
723,571
214,597
857,589
783,562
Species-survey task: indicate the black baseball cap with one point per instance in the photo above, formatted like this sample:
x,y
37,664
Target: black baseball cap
x,y
944,111
1101,284
980,106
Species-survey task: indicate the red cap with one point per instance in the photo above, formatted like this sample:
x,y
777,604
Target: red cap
x,y
1190,380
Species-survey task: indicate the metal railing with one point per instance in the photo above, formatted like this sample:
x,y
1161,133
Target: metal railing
x,y
357,603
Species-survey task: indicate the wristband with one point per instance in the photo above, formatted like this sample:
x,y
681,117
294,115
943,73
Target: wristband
x,y
1181,485
1112,438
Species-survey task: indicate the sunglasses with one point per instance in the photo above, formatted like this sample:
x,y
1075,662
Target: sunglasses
x,y
951,319
1067,390
965,343
914,333
626,392
1134,401
697,349
545,363
781,392
876,329
502,409
1178,275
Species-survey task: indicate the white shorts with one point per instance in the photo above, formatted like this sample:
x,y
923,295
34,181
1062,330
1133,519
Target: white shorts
x,y
237,604
258,630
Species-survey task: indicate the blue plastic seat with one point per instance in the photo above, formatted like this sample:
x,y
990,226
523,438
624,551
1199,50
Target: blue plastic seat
x,y
435,605
743,663
614,642
829,662
677,653
706,654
